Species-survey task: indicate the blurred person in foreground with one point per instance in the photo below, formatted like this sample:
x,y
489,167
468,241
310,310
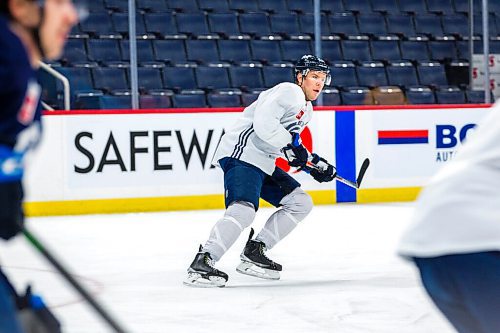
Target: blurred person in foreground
x,y
455,236
29,32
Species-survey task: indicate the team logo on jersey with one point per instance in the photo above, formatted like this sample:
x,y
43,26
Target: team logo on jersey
x,y
300,114
30,103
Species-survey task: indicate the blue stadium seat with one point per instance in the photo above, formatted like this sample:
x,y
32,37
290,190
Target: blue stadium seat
x,y
149,78
87,101
99,25
331,50
273,6
110,80
343,74
104,50
266,51
372,74
476,96
428,24
420,95
223,100
235,51
96,6
212,77
358,6
462,6
203,51
441,7
401,73
152,6
286,24
179,78
413,6
144,51
478,25
74,51
414,50
162,25
225,24
243,5
450,95
431,74
120,20
184,6
275,74
194,24
356,50
356,96
332,6
331,96
307,24
301,6
294,49
116,5
455,24
372,24
80,79
401,25
386,6
343,24
248,98
385,50
115,102
155,101
442,50
254,24
214,5
189,101
172,51
246,78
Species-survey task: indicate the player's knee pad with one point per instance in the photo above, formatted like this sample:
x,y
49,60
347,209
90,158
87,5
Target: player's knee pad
x,y
298,204
241,213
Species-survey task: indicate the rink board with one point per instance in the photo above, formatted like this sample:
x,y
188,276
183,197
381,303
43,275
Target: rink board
x,y
151,160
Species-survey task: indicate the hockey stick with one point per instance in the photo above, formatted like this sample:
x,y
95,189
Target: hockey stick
x,y
97,307
361,174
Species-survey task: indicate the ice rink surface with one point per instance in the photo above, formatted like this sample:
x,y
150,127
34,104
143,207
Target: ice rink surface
x,y
340,274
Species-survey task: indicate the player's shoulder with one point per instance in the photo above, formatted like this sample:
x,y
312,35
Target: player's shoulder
x,y
290,91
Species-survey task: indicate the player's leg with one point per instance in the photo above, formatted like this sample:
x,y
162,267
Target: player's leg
x,y
282,191
242,184
465,289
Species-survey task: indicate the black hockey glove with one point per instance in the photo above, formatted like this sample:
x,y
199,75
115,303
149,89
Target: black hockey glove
x,y
11,211
295,153
321,170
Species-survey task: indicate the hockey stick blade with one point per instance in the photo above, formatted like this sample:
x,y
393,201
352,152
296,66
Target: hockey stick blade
x,y
364,166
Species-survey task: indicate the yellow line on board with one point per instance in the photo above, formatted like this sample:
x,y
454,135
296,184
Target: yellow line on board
x,y
373,195
153,204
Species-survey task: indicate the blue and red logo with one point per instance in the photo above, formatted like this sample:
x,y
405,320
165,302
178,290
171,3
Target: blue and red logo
x,y
403,137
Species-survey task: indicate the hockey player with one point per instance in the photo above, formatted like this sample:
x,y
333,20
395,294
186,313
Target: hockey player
x,y
455,236
247,153
29,31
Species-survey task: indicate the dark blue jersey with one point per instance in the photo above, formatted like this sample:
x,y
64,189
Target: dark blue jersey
x,y
20,109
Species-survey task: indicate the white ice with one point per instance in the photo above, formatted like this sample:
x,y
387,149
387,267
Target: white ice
x,y
340,274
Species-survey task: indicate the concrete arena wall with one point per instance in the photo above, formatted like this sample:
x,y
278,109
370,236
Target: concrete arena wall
x,y
154,160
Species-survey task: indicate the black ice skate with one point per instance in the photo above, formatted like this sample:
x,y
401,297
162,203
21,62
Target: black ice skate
x,y
255,263
202,273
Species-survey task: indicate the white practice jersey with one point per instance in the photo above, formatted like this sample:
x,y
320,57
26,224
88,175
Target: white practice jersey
x,y
265,126
459,210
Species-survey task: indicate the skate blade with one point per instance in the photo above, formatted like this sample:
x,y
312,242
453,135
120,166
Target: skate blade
x,y
198,281
248,268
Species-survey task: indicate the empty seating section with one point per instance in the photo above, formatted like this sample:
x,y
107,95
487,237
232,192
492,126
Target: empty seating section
x,y
222,53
